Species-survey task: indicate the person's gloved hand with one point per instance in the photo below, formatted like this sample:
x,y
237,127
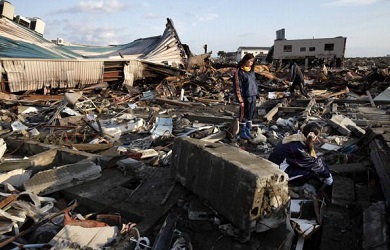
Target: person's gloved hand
x,y
328,181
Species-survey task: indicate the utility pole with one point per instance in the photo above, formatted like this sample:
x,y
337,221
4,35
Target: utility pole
x,y
205,48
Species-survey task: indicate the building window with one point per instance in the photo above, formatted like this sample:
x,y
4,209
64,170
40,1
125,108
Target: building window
x,y
287,48
303,49
329,47
312,48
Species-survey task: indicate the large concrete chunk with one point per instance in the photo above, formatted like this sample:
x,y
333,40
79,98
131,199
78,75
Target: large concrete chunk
x,y
241,186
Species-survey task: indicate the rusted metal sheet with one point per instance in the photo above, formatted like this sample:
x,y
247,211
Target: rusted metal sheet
x,y
36,74
133,70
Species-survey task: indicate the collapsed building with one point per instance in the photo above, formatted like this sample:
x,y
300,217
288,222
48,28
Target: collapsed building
x,y
29,62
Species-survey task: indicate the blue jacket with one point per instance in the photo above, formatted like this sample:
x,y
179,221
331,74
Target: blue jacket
x,y
244,84
299,160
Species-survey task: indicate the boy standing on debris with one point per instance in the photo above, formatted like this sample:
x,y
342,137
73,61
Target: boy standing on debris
x,y
246,90
296,79
295,155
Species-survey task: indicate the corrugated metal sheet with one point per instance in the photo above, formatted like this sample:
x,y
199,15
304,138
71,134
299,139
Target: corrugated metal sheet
x,y
17,41
34,74
133,71
165,49
168,49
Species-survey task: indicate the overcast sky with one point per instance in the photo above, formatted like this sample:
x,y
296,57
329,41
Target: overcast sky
x,y
222,25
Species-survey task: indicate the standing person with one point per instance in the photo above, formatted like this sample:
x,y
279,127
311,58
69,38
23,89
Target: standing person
x,y
295,155
246,90
296,79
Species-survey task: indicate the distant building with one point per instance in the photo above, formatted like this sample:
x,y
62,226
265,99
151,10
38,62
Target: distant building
x,y
231,56
260,53
330,50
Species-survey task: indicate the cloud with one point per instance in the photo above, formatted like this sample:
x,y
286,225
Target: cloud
x,y
87,34
204,17
350,2
100,6
152,16
207,17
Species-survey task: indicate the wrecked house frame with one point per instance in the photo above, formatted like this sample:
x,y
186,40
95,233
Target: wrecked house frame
x,y
28,62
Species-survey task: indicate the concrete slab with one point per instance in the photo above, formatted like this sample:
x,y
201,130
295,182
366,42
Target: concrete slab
x,y
343,191
344,125
143,200
241,186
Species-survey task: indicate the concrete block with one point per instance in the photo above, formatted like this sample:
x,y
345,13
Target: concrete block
x,y
239,185
343,125
130,165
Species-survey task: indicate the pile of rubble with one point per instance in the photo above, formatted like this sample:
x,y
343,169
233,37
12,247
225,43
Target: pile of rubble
x,y
159,165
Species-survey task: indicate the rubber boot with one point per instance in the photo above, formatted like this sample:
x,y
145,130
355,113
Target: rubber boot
x,y
248,128
243,133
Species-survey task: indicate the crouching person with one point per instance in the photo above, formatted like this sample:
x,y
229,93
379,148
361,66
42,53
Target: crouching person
x,y
296,156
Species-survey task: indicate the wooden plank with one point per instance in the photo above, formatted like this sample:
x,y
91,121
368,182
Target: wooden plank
x,y
209,119
386,137
310,106
272,112
363,123
370,98
91,147
173,102
381,158
371,110
292,109
334,107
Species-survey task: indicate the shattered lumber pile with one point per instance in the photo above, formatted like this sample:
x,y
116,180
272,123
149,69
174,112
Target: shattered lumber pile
x,y
160,164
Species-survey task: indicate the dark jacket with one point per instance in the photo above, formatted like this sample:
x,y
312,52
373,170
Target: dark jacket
x,y
299,160
244,84
296,73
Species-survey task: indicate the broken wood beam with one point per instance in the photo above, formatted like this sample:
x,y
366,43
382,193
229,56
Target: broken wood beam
x,y
370,98
209,119
90,147
380,156
365,123
272,112
310,106
172,102
344,91
291,109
